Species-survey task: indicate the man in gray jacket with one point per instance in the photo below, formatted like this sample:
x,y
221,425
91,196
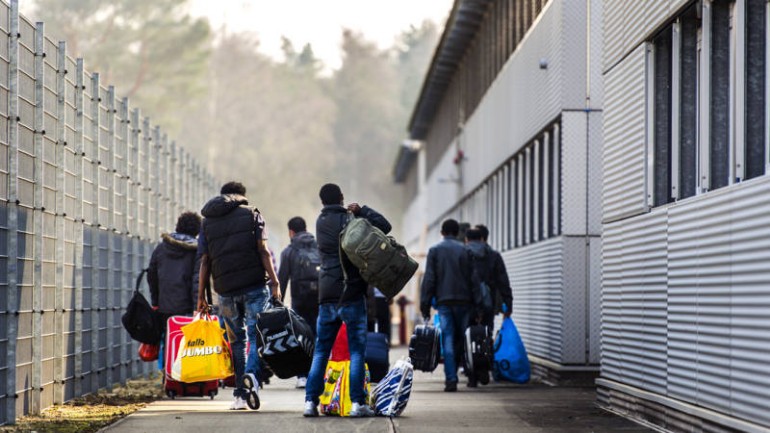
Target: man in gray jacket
x,y
448,282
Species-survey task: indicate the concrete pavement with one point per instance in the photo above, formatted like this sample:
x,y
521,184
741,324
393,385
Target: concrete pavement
x,y
492,408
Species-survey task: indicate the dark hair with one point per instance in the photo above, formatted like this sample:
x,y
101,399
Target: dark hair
x,y
330,194
464,227
233,188
297,224
473,234
450,227
484,231
189,223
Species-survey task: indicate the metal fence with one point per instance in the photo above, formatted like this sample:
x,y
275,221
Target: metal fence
x,y
86,186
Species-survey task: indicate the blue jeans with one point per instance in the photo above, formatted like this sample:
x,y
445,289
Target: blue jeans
x,y
330,319
454,321
240,312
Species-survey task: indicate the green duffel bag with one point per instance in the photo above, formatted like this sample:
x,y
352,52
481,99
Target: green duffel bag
x,y
382,261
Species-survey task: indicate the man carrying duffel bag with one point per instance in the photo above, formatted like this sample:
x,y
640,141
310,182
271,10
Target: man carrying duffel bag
x,y
342,298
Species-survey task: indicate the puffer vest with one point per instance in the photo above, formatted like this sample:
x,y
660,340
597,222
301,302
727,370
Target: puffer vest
x,y
232,246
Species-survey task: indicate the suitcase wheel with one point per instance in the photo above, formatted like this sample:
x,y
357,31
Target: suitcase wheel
x,y
252,400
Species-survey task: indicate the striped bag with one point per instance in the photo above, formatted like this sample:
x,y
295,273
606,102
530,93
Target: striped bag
x,y
390,396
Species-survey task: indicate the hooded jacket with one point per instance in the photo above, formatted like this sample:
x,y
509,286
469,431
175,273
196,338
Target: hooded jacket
x,y
332,281
173,274
302,292
231,229
490,269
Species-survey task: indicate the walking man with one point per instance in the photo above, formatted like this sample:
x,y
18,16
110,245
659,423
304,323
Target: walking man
x,y
342,298
491,281
499,281
233,248
448,282
300,266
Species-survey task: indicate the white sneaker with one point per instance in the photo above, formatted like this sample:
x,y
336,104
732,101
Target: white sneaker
x,y
361,410
238,404
311,410
301,382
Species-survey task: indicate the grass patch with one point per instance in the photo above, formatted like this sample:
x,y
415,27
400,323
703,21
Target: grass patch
x,y
90,413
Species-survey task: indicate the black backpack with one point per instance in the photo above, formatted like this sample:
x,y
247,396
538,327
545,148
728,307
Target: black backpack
x,y
482,267
140,320
306,264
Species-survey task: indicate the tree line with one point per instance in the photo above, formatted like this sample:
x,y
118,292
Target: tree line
x,y
284,127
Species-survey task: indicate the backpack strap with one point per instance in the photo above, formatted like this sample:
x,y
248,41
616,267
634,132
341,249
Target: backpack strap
x,y
346,219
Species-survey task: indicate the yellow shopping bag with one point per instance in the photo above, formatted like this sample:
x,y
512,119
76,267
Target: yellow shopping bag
x,y
336,397
203,353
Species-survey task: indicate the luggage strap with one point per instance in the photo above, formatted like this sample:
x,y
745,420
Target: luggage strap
x,y
139,279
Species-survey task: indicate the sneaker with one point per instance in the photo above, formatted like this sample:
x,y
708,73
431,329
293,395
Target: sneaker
x,y
238,404
249,381
301,382
361,410
311,410
450,386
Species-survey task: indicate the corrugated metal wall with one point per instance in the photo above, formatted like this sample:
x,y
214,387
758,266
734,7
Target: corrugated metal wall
x,y
556,276
685,329
685,301
86,187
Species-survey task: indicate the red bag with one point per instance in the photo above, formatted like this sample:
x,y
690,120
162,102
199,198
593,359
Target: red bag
x,y
149,352
340,350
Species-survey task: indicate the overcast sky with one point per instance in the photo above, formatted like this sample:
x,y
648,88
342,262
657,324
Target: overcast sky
x,y
320,22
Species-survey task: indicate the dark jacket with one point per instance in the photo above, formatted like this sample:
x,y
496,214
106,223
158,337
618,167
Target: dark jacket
x,y
231,229
448,275
330,223
302,292
490,269
173,274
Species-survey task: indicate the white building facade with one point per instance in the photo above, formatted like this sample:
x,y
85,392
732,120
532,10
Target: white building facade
x,y
508,132
686,233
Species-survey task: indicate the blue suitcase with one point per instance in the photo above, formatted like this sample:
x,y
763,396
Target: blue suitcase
x,y
377,355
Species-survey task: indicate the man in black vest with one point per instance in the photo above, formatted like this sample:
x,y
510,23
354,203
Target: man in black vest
x,y
300,265
233,249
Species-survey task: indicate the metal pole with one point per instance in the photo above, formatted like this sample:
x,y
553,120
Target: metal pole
x,y
13,199
113,292
95,223
79,225
37,224
61,138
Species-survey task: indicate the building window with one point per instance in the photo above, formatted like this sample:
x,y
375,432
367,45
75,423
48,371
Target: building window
x,y
520,202
707,99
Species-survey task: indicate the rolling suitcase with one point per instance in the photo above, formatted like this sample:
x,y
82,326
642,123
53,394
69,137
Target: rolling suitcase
x,y
286,341
424,348
377,354
173,387
478,352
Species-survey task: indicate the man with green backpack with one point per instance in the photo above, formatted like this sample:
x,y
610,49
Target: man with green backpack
x,y
342,298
